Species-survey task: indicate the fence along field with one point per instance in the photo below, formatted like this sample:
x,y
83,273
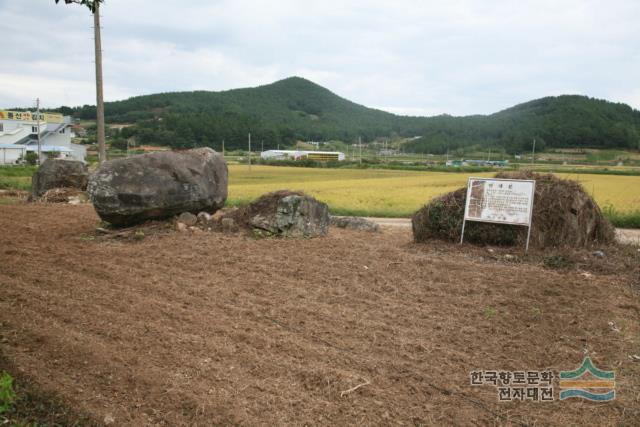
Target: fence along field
x,y
397,193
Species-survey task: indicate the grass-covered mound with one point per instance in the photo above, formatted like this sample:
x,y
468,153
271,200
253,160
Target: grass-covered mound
x,y
563,215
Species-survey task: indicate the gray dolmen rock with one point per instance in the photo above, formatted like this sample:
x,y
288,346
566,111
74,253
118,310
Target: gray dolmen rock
x,y
290,215
59,173
159,185
354,223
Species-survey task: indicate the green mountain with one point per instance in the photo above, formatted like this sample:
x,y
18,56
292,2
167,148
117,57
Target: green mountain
x,y
297,109
567,121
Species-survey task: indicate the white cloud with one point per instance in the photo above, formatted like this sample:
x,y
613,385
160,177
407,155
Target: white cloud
x,y
416,57
23,91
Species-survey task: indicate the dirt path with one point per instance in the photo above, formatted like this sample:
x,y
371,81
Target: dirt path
x,y
392,222
628,236
624,235
353,328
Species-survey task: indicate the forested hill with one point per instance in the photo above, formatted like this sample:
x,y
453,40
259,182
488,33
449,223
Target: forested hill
x,y
555,122
297,109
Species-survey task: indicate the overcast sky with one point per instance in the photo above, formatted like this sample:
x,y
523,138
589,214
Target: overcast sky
x,y
410,57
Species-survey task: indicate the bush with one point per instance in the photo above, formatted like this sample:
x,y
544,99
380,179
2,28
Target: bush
x,y
7,394
119,144
622,219
31,158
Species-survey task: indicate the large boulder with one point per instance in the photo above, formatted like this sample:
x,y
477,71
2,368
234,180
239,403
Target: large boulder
x,y
59,173
288,214
159,185
564,215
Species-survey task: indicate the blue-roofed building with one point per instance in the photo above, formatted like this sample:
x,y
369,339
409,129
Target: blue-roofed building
x,y
19,135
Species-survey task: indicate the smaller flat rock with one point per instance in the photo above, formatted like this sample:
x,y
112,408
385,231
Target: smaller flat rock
x,y
354,223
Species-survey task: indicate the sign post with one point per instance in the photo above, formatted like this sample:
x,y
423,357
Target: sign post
x,y
499,201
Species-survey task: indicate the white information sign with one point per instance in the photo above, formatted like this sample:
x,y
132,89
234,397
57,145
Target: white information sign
x,y
504,201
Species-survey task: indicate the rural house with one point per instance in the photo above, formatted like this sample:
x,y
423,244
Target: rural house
x,y
19,135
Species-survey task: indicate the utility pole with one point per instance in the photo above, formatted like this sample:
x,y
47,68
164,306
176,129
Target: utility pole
x,y
360,144
262,145
249,152
94,7
102,154
533,152
38,121
223,148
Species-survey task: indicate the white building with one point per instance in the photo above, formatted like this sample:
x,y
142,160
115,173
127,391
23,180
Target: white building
x,y
19,135
322,156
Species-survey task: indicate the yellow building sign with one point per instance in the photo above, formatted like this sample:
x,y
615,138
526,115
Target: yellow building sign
x,y
28,116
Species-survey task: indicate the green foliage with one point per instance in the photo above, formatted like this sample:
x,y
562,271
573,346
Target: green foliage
x,y
602,171
562,121
297,109
91,4
119,143
7,394
16,177
622,219
31,158
605,155
371,164
17,171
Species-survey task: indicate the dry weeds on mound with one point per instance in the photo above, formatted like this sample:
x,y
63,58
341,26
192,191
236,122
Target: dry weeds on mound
x,y
59,195
563,215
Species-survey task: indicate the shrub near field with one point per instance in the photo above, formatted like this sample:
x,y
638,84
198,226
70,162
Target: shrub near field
x,y
395,193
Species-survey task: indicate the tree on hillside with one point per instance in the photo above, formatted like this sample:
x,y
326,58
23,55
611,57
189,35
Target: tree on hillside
x,y
94,7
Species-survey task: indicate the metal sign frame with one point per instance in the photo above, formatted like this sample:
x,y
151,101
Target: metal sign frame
x,y
467,200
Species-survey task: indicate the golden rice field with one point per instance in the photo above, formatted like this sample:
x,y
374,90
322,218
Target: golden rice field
x,y
377,192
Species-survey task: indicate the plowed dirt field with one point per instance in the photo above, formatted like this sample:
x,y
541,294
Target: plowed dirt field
x,y
170,328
